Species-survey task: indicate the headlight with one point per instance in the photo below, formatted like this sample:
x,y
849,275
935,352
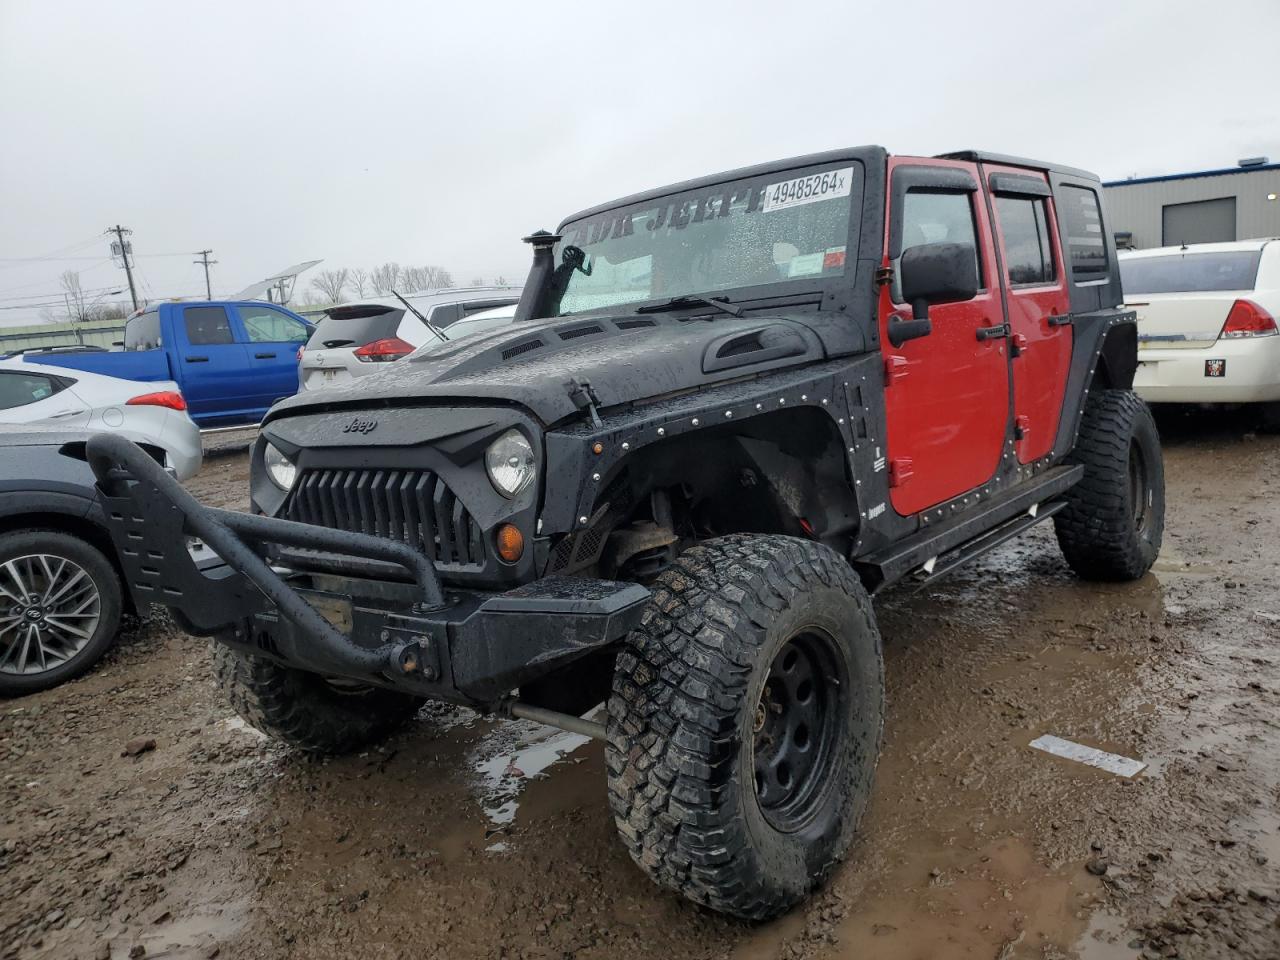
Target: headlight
x,y
510,463
280,468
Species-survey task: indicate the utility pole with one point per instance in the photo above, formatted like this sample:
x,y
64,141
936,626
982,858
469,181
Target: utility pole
x,y
125,252
205,261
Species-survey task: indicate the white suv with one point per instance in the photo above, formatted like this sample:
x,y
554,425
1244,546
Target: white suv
x,y
1206,321
356,338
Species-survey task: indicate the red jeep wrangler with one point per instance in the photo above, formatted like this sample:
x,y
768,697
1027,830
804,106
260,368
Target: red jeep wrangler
x,y
728,412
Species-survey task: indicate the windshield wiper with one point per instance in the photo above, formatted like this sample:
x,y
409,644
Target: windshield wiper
x,y
688,300
425,322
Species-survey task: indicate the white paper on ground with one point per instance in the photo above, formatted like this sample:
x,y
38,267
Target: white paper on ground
x,y
1111,762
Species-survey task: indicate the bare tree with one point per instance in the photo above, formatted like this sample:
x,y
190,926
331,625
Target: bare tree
x,y
359,282
386,278
73,293
501,281
477,281
332,283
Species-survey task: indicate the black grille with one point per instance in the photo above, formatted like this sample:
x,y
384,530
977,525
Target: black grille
x,y
412,506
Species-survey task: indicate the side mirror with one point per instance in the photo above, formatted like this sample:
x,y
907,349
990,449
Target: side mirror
x,y
933,273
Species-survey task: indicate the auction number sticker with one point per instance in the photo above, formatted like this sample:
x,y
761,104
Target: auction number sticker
x,y
810,189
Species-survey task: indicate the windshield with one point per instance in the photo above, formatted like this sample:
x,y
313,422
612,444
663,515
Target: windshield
x,y
793,225
1188,272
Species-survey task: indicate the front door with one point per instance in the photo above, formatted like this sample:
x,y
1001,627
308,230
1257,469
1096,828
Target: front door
x,y
946,394
273,339
1038,304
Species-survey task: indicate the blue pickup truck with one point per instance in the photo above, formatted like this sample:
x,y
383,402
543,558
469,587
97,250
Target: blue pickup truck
x,y
232,359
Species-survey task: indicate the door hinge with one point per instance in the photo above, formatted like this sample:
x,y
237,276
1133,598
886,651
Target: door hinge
x,y
895,368
900,471
884,276
1017,345
1021,427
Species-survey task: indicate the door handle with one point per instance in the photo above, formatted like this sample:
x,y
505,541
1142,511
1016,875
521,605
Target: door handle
x,y
993,333
197,359
1063,320
65,413
264,356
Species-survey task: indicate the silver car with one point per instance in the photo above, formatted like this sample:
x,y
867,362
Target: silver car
x,y
151,414
356,338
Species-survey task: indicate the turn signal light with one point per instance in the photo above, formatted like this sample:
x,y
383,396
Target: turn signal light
x,y
510,542
384,351
1247,319
165,398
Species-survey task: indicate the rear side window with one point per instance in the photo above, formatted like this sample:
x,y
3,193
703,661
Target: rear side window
x,y
267,325
143,332
20,389
1082,224
354,327
1024,227
1188,272
207,326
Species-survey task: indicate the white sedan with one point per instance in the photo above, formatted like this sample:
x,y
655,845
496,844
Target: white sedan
x,y
152,415
1206,322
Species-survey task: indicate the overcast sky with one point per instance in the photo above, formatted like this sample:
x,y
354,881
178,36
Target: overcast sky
x,y
442,132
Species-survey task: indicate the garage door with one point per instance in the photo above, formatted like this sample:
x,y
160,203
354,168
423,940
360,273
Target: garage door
x,y
1205,221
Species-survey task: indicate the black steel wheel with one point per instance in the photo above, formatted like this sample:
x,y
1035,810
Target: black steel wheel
x,y
797,727
745,721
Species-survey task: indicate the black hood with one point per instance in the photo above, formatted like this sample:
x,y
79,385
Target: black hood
x,y
624,358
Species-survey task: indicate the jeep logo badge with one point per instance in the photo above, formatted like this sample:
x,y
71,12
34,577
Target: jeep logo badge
x,y
360,426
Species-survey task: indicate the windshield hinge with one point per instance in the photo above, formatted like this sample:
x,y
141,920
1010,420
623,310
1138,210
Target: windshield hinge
x,y
584,398
884,276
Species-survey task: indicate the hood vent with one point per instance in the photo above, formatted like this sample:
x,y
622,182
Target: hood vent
x,y
633,324
520,348
753,346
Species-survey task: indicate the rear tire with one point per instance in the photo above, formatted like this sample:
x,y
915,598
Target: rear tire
x,y
76,597
307,710
745,723
1113,525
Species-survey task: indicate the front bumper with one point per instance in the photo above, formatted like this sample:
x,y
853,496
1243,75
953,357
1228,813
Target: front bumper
x,y
1250,372
467,646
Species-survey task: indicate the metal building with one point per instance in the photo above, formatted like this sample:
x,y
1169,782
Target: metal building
x,y
1238,203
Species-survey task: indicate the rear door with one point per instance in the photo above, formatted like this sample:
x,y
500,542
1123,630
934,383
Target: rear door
x,y
34,397
946,394
216,378
273,340
1037,303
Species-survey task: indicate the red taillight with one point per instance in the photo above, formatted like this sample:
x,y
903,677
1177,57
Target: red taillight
x,y
1247,319
384,351
165,398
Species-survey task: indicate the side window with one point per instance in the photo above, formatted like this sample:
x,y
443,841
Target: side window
x,y
930,216
20,389
1082,225
445,314
143,332
265,325
207,326
1024,227
479,306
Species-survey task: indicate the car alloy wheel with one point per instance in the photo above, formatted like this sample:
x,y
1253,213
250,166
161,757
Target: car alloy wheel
x,y
49,610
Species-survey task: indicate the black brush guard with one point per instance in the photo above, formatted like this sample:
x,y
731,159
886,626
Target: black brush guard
x,y
466,646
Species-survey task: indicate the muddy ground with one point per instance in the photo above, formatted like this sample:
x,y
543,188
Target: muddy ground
x,y
464,838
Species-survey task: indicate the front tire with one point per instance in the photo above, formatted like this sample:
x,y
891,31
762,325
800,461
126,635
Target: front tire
x,y
307,710
745,723
1114,521
60,603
